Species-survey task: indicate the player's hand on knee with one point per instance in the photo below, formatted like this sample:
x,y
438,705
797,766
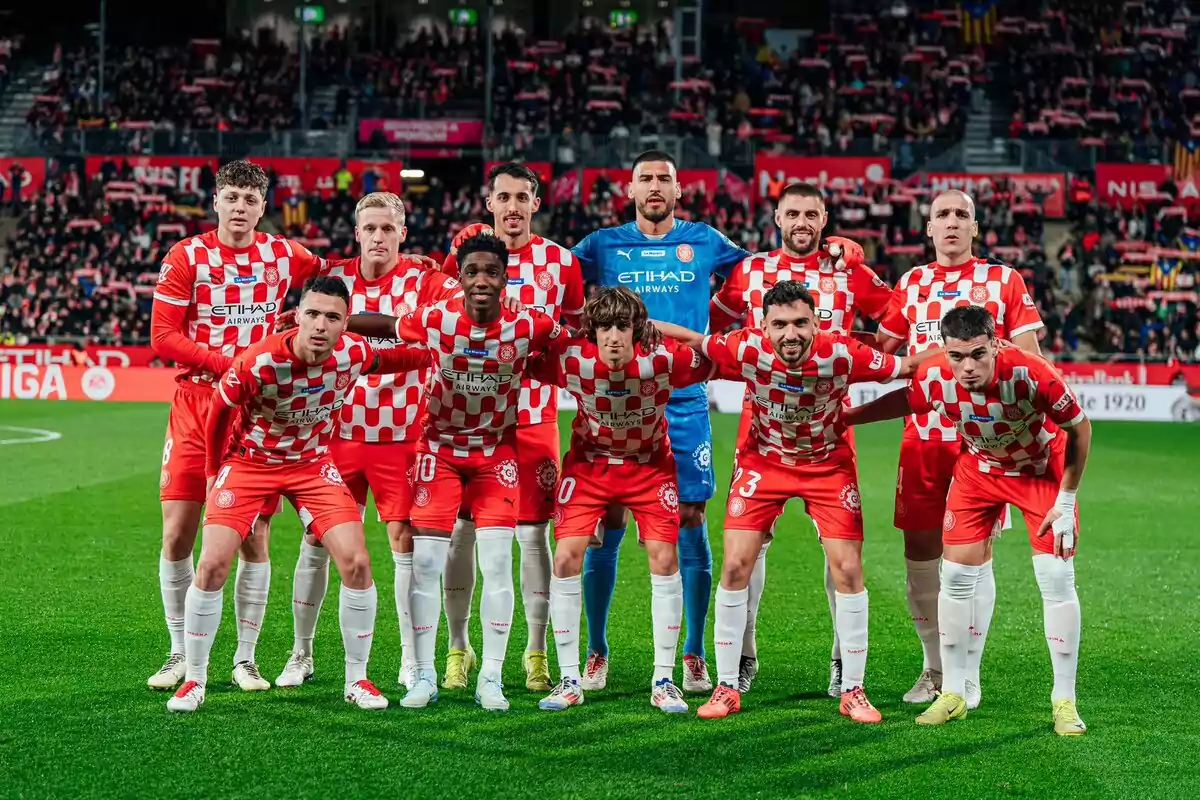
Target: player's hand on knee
x,y
474,229
1062,527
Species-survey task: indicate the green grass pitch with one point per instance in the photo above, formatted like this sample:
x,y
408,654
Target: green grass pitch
x,y
81,628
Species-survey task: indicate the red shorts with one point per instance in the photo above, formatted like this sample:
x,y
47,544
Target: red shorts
x,y
537,461
383,467
829,489
649,490
314,488
440,479
183,462
977,498
923,481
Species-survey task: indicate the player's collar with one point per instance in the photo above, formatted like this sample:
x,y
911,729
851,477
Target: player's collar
x,y
970,262
786,259
657,237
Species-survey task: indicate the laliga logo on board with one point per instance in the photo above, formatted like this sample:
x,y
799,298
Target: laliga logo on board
x,y
544,280
98,383
979,294
271,276
684,253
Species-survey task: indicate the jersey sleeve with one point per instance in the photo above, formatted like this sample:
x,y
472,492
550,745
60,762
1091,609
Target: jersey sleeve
x,y
894,323
176,278
587,251
1055,399
168,317
436,287
868,365
689,366
237,384
305,264
572,279
729,304
413,327
722,350
546,367
546,331
450,265
725,254
1020,312
871,294
918,397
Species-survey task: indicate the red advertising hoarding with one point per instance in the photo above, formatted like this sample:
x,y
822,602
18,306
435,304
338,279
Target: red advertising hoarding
x,y
436,132
55,382
829,173
98,355
1052,184
1130,373
1127,184
33,176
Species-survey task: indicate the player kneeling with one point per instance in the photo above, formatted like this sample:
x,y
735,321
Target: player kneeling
x,y
1008,405
282,396
619,455
798,377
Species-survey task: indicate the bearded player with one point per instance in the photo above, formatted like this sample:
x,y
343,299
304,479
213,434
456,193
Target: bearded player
x,y
1027,442
544,276
619,453
842,287
797,448
930,446
217,294
267,435
480,350
375,445
670,263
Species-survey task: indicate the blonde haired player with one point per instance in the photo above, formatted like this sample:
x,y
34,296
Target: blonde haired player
x,y
930,445
375,445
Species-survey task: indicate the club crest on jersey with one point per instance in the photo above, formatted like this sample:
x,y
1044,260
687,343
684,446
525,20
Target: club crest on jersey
x,y
979,294
164,480
330,474
737,506
507,353
1027,300
507,474
685,253
851,499
649,388
421,496
224,499
544,280
948,522
827,285
343,380
547,474
702,455
271,276
824,386
1012,413
403,309
668,496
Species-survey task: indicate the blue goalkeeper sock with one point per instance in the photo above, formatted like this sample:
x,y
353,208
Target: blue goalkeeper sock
x,y
695,564
599,580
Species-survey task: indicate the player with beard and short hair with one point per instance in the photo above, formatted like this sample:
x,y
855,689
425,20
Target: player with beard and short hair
x,y
669,262
796,449
842,287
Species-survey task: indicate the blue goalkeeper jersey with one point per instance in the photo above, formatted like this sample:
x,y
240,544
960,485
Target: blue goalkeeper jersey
x,y
673,273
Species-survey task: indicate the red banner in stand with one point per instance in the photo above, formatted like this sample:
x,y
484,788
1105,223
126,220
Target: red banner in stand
x,y
33,176
428,132
97,355
828,173
1128,184
1051,184
55,382
181,173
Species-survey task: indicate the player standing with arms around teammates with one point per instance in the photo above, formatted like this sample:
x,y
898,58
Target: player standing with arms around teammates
x,y
267,434
480,349
217,294
544,276
1009,406
930,445
670,263
620,454
797,448
375,445
842,287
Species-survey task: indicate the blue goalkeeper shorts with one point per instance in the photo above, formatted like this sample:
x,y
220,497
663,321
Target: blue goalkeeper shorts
x,y
691,443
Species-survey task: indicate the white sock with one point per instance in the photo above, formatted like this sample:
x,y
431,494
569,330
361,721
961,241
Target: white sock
x,y
922,591
851,622
309,585
428,561
955,606
174,580
496,602
566,607
666,615
729,624
404,571
981,620
459,582
835,652
356,614
758,582
251,586
534,541
202,617
1060,606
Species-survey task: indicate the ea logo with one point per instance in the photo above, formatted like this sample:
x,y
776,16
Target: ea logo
x,y
737,506
685,253
544,280
224,499
343,380
949,521
828,285
979,294
271,276
98,383
507,353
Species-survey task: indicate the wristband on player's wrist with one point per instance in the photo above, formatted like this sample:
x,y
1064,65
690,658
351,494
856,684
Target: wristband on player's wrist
x,y
1065,502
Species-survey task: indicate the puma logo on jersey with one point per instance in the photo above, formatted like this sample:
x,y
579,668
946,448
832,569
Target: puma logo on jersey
x,y
628,254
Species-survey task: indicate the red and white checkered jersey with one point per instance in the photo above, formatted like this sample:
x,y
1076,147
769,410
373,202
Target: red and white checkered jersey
x,y
1004,426
473,404
386,408
622,413
839,295
290,407
547,277
232,295
797,413
924,294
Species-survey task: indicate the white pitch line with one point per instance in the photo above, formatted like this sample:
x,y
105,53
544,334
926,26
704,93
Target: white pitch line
x,y
37,435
